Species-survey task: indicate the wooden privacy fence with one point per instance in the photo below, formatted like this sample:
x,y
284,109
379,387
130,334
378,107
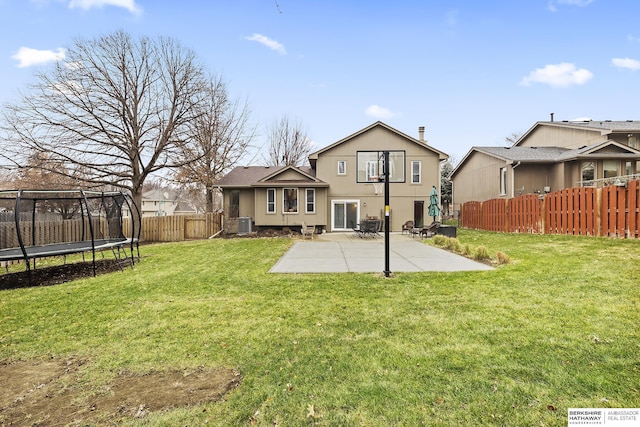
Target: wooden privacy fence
x,y
44,232
612,211
176,228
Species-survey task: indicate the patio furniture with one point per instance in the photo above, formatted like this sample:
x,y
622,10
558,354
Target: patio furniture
x,y
408,227
368,228
307,230
430,229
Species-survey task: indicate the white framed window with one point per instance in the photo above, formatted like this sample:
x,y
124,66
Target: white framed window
x,y
503,181
310,198
372,170
342,167
588,172
290,200
416,171
370,166
271,200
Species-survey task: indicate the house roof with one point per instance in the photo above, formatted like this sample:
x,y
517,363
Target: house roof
x,y
441,155
184,207
604,127
159,194
245,176
599,150
264,176
553,154
608,125
523,154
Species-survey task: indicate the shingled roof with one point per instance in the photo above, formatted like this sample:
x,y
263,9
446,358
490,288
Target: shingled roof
x,y
523,154
245,176
609,125
249,176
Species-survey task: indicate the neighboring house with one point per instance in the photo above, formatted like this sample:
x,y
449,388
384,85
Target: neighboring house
x,y
338,189
549,157
184,208
164,202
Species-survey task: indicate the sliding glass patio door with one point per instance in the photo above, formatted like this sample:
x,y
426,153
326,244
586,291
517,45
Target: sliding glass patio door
x,y
345,214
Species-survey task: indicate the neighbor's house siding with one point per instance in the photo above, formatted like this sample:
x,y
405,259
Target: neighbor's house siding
x,y
479,179
561,136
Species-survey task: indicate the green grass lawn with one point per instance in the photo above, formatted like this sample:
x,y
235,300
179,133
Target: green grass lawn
x,y
554,329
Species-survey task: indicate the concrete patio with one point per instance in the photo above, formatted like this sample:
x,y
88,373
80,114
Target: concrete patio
x,y
346,252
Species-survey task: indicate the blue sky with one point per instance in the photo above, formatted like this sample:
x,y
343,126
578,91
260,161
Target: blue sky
x,y
472,72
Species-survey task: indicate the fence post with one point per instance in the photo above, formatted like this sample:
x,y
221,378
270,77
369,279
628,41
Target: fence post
x,y
598,212
507,219
543,215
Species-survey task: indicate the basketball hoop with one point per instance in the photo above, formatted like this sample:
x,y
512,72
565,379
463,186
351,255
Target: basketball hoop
x,y
378,186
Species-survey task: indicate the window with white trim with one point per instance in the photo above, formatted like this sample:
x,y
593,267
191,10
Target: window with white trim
x,y
271,200
342,167
310,200
503,181
416,171
290,200
372,170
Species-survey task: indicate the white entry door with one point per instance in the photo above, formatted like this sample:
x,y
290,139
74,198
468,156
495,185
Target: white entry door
x,y
345,214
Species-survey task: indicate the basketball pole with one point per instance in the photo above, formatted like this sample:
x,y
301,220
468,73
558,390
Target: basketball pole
x,y
385,157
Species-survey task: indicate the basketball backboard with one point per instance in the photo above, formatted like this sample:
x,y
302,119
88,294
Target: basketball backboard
x,y
370,166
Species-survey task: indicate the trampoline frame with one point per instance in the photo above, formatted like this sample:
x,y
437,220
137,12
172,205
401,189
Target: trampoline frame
x,y
30,252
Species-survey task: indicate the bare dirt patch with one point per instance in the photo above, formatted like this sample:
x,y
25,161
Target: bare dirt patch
x,y
51,393
55,275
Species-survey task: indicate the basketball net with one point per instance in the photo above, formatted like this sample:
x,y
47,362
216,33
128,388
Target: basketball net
x,y
377,187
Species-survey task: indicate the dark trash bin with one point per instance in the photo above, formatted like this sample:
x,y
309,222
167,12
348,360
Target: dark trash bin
x,y
447,230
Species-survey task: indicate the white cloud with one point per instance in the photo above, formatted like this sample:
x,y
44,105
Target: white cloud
x,y
631,64
580,3
633,39
130,5
27,57
558,75
379,112
266,41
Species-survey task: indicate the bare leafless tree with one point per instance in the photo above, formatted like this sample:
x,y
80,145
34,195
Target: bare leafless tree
x,y
289,144
512,139
116,107
220,137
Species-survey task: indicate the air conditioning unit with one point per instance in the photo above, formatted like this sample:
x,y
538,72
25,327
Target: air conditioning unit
x,y
244,225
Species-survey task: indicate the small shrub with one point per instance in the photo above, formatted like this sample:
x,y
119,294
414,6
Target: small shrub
x,y
466,250
439,240
503,258
453,244
481,253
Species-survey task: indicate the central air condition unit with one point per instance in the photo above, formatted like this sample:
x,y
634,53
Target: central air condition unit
x,y
244,225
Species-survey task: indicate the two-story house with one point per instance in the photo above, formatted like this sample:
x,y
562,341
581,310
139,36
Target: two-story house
x,y
340,187
550,156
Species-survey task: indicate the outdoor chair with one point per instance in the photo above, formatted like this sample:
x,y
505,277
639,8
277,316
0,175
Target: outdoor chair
x,y
407,226
368,227
307,230
430,229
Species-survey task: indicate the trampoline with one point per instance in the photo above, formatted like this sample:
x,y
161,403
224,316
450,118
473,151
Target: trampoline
x,y
48,223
